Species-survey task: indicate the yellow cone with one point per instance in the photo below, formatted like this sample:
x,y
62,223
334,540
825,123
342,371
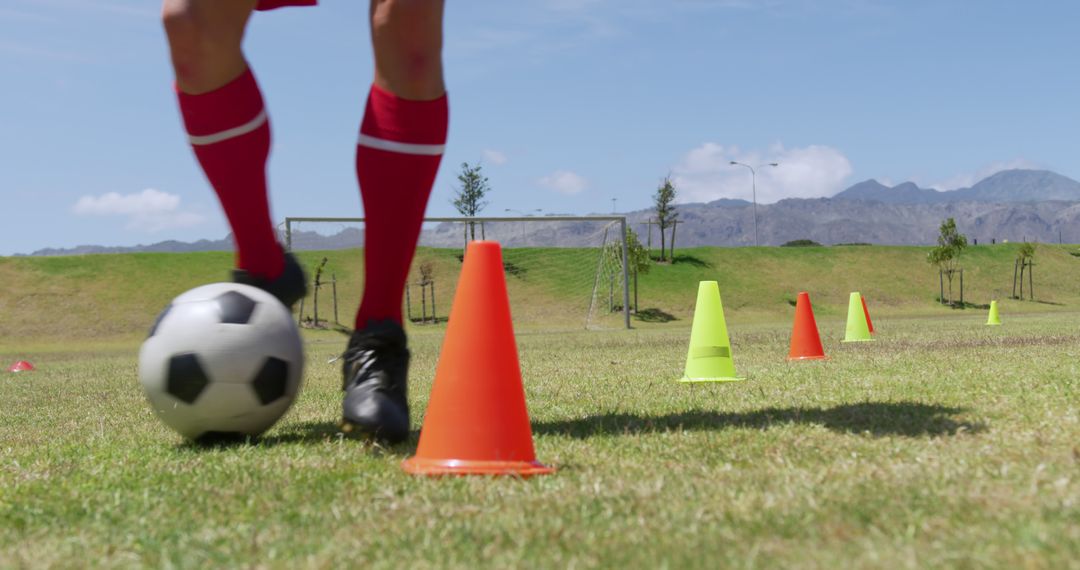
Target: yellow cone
x,y
857,329
709,357
994,319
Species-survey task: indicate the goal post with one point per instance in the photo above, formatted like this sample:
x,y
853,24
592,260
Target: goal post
x,y
525,240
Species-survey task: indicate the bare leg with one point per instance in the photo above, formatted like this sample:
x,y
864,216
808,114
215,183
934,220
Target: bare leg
x,y
407,40
204,40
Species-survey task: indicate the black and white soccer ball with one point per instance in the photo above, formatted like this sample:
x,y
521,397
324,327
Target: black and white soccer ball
x,y
222,361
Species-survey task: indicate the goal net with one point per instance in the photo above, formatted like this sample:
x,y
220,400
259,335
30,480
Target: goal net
x,y
562,272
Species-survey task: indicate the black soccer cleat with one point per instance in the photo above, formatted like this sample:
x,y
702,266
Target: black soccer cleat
x,y
289,287
376,390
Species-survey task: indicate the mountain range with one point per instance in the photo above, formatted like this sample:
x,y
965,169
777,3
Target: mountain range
x,y
1015,205
1003,187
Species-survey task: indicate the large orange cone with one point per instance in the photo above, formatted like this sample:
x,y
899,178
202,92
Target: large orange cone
x,y
869,323
476,422
805,340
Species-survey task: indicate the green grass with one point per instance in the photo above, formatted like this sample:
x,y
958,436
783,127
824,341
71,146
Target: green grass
x,y
118,296
944,444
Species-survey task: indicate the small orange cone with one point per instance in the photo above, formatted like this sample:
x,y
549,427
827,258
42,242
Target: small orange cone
x,y
476,421
869,323
805,340
21,366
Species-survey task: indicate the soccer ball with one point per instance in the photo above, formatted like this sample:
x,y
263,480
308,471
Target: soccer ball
x,y
222,361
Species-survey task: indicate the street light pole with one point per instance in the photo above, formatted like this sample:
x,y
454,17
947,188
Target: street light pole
x,y
753,189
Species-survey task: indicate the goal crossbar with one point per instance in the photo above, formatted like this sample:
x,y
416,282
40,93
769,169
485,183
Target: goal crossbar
x,y
289,221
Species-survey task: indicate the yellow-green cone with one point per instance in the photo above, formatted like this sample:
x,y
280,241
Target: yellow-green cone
x,y
994,319
857,329
709,358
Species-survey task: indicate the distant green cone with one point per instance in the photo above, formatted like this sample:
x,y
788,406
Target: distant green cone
x,y
857,329
994,318
709,358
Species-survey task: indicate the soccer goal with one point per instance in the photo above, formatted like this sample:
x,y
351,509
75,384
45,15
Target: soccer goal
x,y
561,271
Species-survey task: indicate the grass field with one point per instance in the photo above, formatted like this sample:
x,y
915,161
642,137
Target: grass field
x,y
944,444
117,296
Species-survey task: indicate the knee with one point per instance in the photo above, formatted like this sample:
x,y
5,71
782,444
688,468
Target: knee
x,y
196,45
409,35
182,28
419,69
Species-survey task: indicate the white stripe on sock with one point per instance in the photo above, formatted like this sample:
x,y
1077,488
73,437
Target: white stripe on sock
x,y
404,148
201,140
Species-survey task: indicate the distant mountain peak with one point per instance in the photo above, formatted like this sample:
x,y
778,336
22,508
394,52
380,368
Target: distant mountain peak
x,y
1014,185
728,203
874,191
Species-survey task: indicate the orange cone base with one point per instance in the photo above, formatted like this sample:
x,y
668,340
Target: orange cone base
x,y
822,357
686,380
420,466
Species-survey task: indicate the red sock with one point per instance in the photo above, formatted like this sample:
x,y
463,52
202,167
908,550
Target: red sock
x,y
230,133
398,153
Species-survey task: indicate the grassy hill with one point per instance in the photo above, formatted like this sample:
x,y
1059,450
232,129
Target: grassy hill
x,y
118,296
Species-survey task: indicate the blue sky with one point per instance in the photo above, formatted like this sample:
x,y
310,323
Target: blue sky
x,y
568,104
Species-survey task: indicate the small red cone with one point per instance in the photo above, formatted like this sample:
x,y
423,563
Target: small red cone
x,y
476,422
869,323
21,366
805,340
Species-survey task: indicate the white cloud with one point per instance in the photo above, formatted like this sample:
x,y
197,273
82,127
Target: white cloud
x,y
564,182
494,157
967,180
150,210
706,173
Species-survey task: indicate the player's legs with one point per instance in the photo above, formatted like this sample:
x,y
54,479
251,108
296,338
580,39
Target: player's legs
x,y
398,153
229,131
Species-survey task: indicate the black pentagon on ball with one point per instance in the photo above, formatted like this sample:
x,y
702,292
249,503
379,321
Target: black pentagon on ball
x,y
272,380
157,321
235,307
186,378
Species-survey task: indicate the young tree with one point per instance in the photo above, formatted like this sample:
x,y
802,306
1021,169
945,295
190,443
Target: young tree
x,y
946,256
665,209
637,255
637,259
1025,259
472,188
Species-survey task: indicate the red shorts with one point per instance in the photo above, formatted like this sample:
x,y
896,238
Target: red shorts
x,y
271,4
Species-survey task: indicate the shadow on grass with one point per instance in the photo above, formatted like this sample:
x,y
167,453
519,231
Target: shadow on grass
x,y
877,419
429,320
306,433
654,315
683,259
964,305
